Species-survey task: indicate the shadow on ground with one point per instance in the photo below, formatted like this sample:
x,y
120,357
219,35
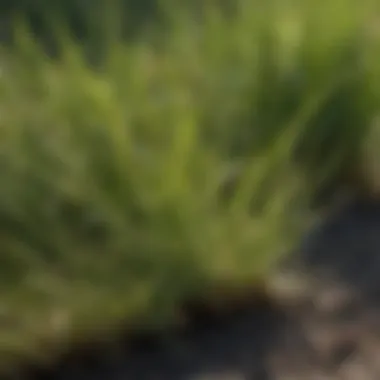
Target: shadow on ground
x,y
327,327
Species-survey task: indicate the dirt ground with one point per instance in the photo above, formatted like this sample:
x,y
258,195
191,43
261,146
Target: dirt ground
x,y
322,322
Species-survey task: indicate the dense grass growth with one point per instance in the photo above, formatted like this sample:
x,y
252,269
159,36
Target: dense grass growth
x,y
110,203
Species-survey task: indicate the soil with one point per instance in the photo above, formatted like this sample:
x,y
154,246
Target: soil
x,y
318,318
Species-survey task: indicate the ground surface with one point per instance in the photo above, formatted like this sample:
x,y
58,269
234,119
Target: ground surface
x,y
327,327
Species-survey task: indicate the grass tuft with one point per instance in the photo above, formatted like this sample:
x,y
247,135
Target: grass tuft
x,y
110,203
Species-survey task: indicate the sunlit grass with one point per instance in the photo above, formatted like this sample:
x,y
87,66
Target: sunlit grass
x,y
110,203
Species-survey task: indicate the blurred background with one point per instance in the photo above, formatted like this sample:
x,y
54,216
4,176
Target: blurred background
x,y
152,149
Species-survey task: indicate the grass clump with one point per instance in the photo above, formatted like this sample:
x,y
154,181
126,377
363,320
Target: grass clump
x,y
110,203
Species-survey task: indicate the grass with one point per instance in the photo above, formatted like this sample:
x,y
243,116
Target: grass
x,y
111,205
